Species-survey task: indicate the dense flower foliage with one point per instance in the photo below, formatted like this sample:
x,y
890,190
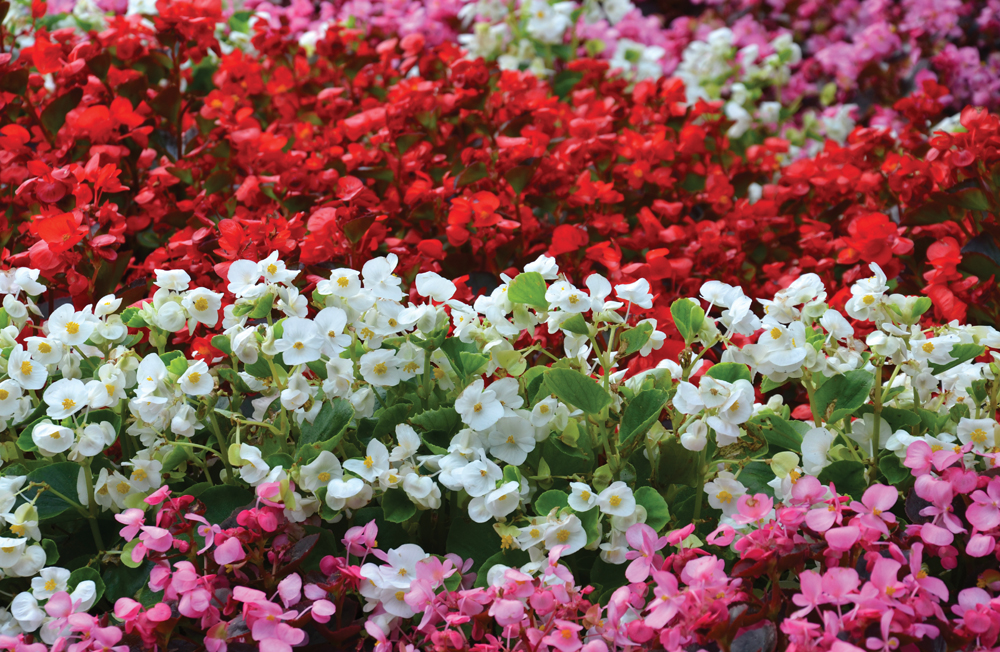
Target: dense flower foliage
x,y
498,326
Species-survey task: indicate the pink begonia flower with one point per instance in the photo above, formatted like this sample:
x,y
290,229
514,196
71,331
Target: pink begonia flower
x,y
564,637
885,578
229,552
666,602
283,638
215,637
824,518
918,578
158,496
435,571
808,491
980,545
290,590
206,531
984,513
887,643
842,539
840,584
751,509
322,610
675,537
722,536
156,538
974,610
645,544
507,612
132,519
874,507
810,594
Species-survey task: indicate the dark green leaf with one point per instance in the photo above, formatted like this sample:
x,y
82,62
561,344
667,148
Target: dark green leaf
x,y
222,500
657,512
61,477
471,174
688,317
53,117
640,414
397,506
575,324
636,338
552,499
848,477
330,423
729,372
529,288
842,395
578,390
83,574
519,177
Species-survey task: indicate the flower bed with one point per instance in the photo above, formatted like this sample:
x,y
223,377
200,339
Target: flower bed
x,y
332,333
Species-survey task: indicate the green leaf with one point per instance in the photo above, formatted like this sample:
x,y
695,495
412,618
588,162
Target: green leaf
x,y
575,324
636,338
183,174
126,555
397,506
959,353
444,420
688,317
61,477
330,423
473,364
767,385
552,499
782,433
132,318
53,117
729,372
566,460
262,307
848,477
640,413
51,552
389,418
218,180
222,500
222,343
677,465
529,288
471,174
565,81
578,390
755,477
657,512
843,395
84,574
519,177
893,470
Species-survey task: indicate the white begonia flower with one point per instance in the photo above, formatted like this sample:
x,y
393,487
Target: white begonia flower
x,y
739,318
28,373
479,407
410,358
724,491
863,432
636,292
297,393
616,500
244,345
197,381
548,22
506,390
44,349
769,112
151,374
380,368
544,265
688,400
67,325
274,270
184,421
24,522
94,438
835,324
51,439
176,280
11,550
330,322
511,439
169,317
15,309
435,287
502,501
567,531
254,469
203,306
107,305
979,432
10,392
815,449
934,350
25,610
375,463
380,280
50,581
480,477
741,118
343,282
300,341
320,472
339,377
423,491
720,294
544,411
291,302
564,296
409,443
866,295
581,498
695,438
243,276
339,491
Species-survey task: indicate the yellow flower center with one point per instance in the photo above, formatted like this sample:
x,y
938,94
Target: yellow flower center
x,y
194,377
411,367
43,347
400,595
615,500
775,333
724,497
139,475
478,407
869,299
393,322
506,542
534,533
4,394
928,347
56,435
122,487
110,389
201,304
68,404
323,477
438,373
103,491
8,549
18,528
367,333
510,439
543,408
51,585
369,462
978,435
573,299
735,406
585,494
343,282
380,368
567,634
72,327
562,536
272,269
26,367
402,571
298,346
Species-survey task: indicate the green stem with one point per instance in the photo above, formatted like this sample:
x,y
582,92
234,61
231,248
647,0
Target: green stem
x,y
92,506
224,451
700,495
